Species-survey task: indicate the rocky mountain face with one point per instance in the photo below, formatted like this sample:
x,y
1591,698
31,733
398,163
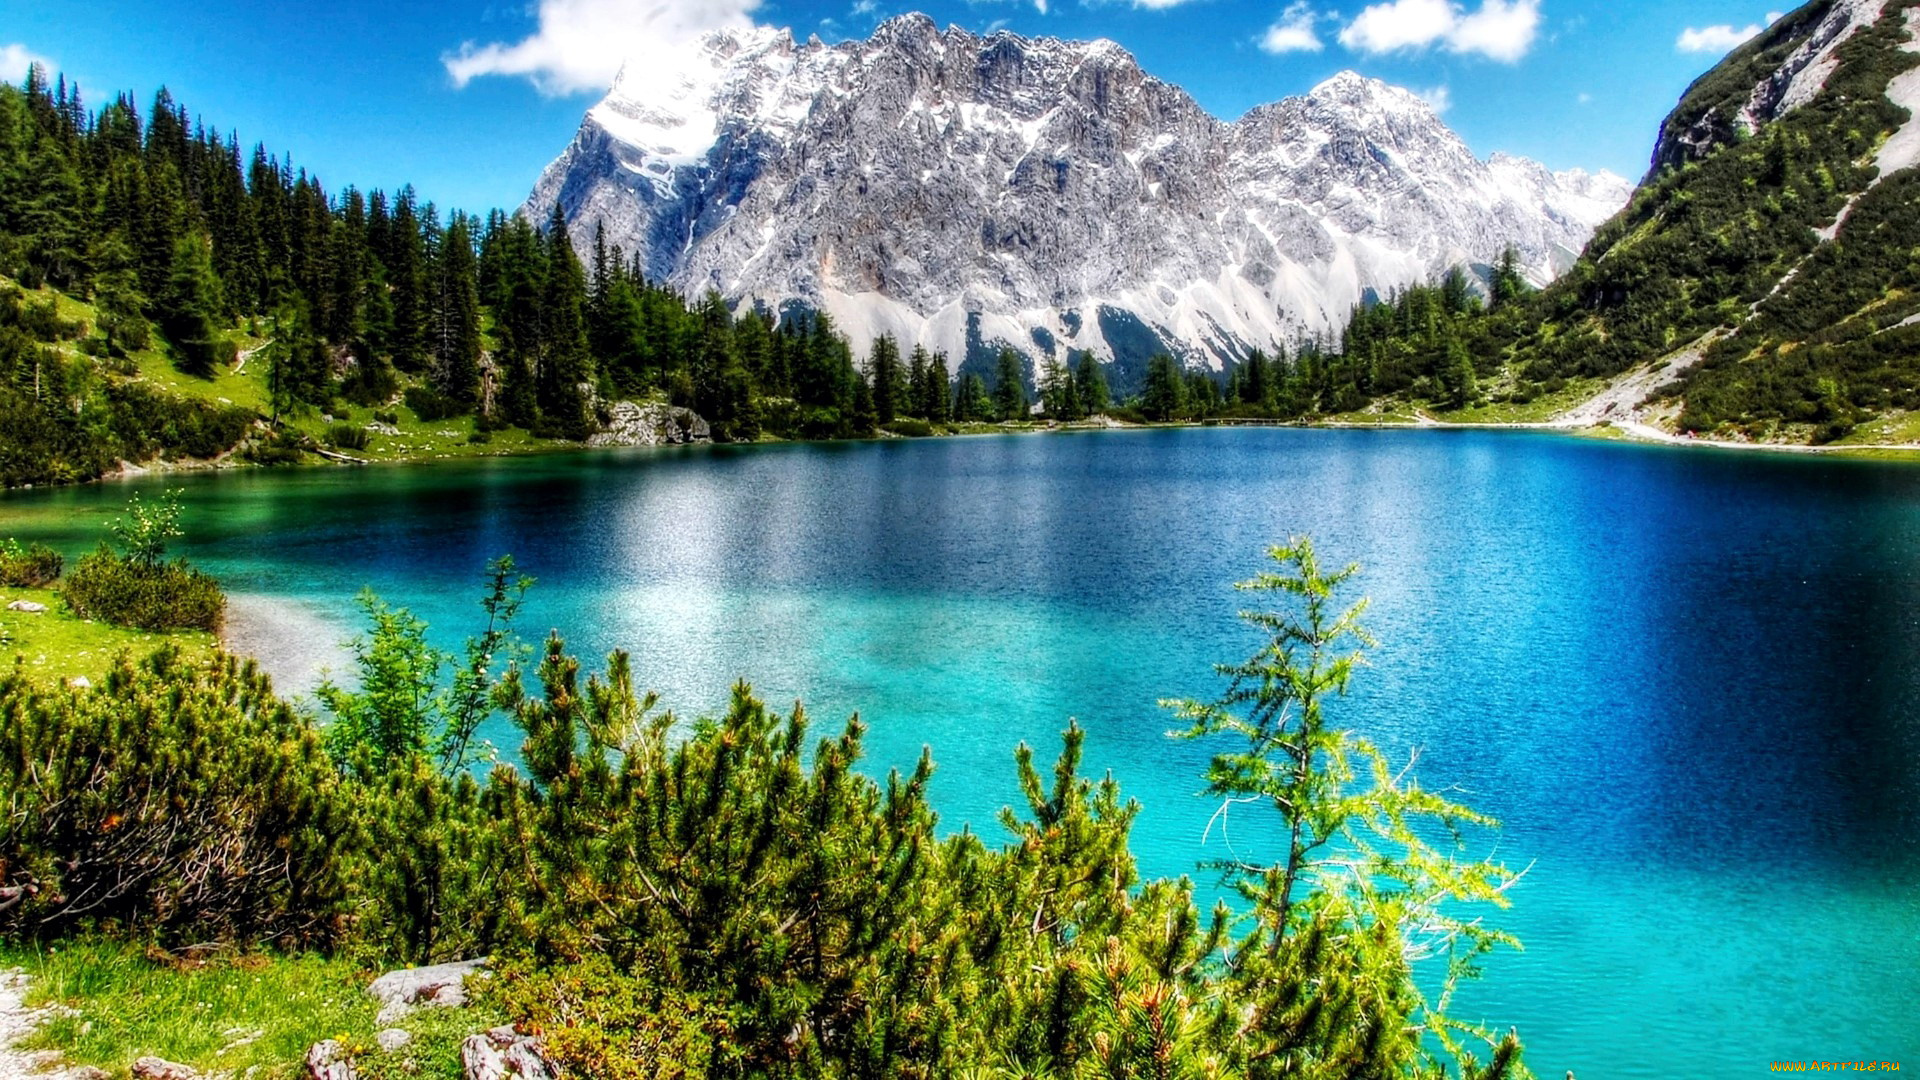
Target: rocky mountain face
x,y
967,192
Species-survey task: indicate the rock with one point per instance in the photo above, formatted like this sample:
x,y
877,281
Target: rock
x,y
441,985
504,1054
80,682
153,1068
630,424
86,1072
328,1060
393,1039
29,606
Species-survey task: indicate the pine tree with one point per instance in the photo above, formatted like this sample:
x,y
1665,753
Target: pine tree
x,y
456,318
1009,389
565,372
936,404
1090,385
190,312
888,380
1165,394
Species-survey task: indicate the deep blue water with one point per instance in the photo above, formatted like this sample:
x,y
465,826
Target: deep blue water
x,y
1685,680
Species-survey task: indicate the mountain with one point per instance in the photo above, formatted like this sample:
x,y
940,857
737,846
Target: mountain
x,y
965,192
1766,267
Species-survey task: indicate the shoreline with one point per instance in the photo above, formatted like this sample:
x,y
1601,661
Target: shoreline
x,y
1609,429
294,643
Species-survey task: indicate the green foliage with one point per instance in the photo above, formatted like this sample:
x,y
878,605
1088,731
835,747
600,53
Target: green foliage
x,y
121,590
145,531
28,567
179,800
734,897
611,1024
1009,387
346,436
1369,875
136,586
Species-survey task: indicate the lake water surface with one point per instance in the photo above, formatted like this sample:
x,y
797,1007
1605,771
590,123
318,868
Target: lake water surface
x,y
1687,681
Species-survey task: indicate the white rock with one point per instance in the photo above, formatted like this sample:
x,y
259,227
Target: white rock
x,y
393,1039
31,607
398,992
328,1060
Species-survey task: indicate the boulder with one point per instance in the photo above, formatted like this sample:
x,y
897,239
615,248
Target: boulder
x,y
442,985
328,1060
31,607
393,1039
630,424
504,1054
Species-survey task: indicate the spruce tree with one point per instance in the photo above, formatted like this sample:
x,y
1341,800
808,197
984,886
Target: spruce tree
x,y
1009,389
191,307
888,380
456,318
565,373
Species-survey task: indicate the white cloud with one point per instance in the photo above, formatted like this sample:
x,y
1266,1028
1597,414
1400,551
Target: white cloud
x,y
1715,39
1584,98
16,59
580,45
1158,5
1499,30
1439,98
865,7
1294,31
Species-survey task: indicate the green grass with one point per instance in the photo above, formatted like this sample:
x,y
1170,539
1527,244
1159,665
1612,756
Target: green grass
x,y
1893,427
232,1013
56,644
1538,411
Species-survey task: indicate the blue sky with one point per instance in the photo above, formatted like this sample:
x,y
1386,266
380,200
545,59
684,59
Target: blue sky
x,y
468,100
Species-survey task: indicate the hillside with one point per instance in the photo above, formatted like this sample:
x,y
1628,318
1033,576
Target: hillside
x,y
1774,235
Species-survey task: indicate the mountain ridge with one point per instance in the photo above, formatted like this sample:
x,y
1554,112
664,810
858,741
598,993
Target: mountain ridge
x,y
966,192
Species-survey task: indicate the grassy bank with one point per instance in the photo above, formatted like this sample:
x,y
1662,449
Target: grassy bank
x,y
231,1012
58,645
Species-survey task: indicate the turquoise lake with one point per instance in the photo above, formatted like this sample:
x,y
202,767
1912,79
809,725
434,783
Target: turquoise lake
x,y
1687,681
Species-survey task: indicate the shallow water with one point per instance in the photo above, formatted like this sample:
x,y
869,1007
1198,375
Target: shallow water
x,y
1686,680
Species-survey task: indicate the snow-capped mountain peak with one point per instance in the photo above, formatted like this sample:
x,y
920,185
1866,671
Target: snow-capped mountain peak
x,y
965,191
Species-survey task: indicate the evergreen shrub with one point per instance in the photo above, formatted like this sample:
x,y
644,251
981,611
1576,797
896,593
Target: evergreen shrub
x,y
30,567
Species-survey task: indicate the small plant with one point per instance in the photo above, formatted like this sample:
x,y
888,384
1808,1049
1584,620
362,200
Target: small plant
x,y
28,568
480,436
145,530
386,416
347,437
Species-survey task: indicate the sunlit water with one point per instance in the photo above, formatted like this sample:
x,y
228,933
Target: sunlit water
x,y
1685,680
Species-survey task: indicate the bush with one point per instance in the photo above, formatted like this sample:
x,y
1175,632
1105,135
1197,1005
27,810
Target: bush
x,y
282,448
347,437
601,1022
429,405
479,436
28,568
182,801
386,416
911,427
157,596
